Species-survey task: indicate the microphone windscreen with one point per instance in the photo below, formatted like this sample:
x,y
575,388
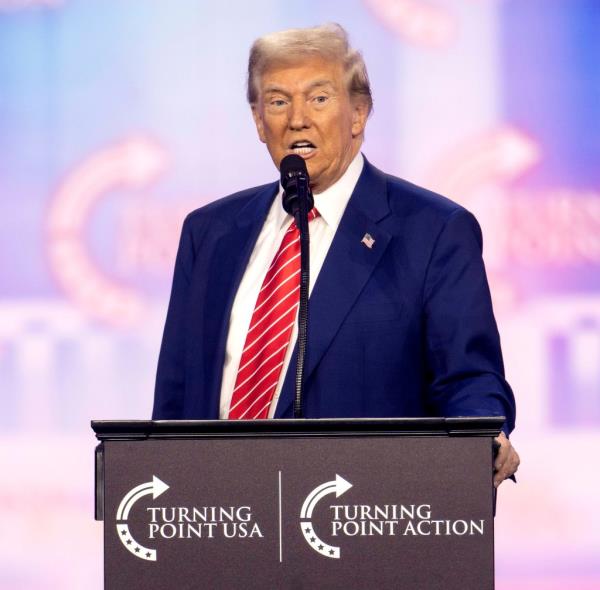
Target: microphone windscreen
x,y
291,166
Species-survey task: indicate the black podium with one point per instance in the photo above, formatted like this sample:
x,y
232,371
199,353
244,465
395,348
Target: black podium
x,y
319,504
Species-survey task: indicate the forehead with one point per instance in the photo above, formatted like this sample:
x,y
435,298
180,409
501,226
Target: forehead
x,y
301,74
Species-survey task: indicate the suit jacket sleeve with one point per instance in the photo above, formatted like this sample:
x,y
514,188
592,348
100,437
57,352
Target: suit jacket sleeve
x,y
170,380
463,345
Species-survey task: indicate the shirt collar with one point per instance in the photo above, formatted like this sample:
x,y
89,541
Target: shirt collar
x,y
331,203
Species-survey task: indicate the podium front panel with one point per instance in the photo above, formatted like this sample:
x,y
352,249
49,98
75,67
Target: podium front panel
x,y
307,512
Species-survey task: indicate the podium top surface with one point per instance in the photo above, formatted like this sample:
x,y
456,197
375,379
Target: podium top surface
x,y
190,429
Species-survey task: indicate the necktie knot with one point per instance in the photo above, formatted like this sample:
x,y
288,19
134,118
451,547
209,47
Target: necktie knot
x,y
312,214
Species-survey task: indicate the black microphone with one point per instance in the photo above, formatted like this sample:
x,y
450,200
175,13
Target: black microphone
x,y
298,201
295,183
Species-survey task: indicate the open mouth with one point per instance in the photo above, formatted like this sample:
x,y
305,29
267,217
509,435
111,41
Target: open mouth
x,y
302,147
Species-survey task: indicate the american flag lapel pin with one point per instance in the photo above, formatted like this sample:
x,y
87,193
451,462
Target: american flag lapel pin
x,y
368,241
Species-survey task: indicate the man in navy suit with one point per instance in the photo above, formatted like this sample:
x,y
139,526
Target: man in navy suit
x,y
401,321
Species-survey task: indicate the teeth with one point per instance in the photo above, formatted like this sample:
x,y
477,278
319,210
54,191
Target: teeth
x,y
302,150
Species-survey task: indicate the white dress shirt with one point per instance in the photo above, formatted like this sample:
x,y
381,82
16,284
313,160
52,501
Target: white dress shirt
x,y
331,205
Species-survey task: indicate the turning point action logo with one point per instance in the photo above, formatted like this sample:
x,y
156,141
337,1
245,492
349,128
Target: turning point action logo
x,y
376,520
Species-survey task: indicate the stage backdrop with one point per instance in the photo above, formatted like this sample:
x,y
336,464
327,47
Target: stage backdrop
x,y
118,116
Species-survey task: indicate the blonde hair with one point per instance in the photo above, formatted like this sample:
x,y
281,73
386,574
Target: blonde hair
x,y
329,41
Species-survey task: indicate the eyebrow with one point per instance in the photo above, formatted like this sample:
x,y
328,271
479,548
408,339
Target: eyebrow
x,y
309,88
320,84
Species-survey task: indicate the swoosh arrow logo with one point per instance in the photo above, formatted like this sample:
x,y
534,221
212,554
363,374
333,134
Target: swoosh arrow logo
x,y
338,487
156,487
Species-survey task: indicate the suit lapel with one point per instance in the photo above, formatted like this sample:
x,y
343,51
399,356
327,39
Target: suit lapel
x,y
229,261
346,270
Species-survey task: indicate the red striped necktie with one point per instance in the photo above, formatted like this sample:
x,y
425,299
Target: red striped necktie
x,y
270,331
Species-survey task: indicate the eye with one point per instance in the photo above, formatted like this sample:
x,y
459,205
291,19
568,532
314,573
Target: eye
x,y
321,99
277,102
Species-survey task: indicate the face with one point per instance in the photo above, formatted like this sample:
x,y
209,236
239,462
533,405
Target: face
x,y
306,109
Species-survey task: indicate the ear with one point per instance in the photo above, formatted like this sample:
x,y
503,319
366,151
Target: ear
x,y
360,113
258,121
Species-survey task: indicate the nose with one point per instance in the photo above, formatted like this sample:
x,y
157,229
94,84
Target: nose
x,y
299,116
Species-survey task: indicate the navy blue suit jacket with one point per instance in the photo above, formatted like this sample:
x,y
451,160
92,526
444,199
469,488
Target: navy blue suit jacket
x,y
405,328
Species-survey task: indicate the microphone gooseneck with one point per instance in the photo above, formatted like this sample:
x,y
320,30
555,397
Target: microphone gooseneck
x,y
298,201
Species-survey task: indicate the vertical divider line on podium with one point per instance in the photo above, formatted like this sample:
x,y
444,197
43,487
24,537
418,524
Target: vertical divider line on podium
x,y
280,523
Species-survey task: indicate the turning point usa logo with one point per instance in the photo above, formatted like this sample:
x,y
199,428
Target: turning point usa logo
x,y
181,522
